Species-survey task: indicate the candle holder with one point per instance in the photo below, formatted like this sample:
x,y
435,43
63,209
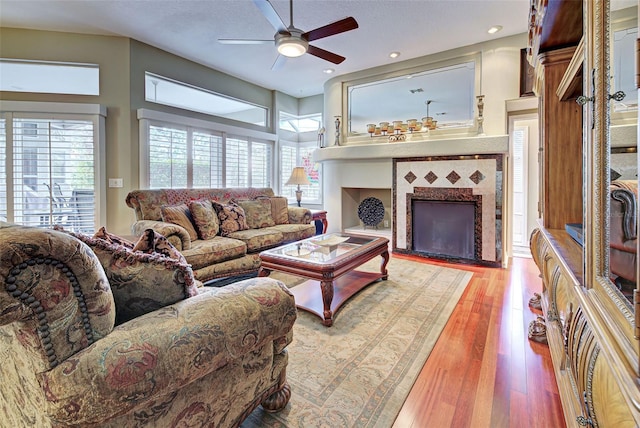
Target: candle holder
x,y
480,119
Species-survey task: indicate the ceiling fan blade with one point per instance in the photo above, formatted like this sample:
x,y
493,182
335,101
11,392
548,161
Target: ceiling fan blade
x,y
279,62
346,24
270,13
244,41
326,55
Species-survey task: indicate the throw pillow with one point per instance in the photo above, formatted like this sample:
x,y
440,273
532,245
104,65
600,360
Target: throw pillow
x,y
231,216
279,209
140,283
152,242
111,238
205,218
180,215
257,212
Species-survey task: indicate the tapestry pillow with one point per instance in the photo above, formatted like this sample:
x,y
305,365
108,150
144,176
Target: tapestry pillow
x,y
279,209
205,218
111,238
257,212
180,215
152,242
140,283
231,216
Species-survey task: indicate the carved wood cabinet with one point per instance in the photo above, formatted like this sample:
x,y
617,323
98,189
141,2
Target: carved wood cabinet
x,y
591,325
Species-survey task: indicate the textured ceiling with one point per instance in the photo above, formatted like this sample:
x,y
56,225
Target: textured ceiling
x,y
191,28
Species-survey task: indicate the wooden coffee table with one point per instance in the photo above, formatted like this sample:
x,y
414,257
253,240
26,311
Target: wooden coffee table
x,y
328,262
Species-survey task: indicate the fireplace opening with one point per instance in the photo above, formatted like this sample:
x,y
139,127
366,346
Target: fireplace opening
x,y
444,228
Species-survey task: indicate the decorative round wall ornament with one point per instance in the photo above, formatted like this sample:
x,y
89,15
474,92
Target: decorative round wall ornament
x,y
371,211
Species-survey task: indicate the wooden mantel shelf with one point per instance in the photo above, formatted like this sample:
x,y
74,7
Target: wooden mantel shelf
x,y
444,147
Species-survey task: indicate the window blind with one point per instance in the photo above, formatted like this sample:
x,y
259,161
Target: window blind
x,y
288,156
167,157
53,176
237,162
312,191
183,156
207,160
3,170
261,161
300,154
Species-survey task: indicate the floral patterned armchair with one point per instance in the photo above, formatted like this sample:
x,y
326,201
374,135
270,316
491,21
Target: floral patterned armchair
x,y
206,360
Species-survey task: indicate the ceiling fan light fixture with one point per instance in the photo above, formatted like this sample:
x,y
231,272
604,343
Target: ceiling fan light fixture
x,y
291,46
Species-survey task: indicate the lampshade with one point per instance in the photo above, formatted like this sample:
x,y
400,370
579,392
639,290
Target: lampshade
x,y
291,46
298,176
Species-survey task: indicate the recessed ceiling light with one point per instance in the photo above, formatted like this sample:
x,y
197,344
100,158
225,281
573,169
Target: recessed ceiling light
x,y
328,70
494,29
394,54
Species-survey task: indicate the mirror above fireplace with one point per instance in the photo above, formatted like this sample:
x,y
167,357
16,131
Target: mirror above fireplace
x,y
445,91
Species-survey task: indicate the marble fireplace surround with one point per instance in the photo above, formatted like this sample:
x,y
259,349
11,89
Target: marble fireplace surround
x,y
477,178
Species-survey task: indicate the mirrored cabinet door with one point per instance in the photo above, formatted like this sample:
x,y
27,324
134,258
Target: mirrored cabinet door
x,y
623,158
610,168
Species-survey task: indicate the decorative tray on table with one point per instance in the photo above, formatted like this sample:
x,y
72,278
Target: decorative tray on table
x,y
331,241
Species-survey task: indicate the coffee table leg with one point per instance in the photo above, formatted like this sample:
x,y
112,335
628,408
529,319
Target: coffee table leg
x,y
327,298
383,266
264,272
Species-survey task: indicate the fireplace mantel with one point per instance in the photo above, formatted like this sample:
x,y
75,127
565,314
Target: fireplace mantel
x,y
444,147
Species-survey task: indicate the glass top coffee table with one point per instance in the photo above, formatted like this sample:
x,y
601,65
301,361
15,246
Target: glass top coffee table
x,y
328,262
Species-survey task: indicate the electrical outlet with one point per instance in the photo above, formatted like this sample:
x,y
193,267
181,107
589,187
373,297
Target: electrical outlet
x,y
115,182
386,223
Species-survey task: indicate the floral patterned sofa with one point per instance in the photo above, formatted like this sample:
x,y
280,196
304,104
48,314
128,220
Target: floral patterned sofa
x,y
219,252
207,359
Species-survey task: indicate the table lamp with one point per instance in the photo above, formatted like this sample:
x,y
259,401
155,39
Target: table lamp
x,y
298,176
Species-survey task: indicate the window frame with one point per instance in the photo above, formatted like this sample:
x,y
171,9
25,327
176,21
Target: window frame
x,y
149,117
10,110
284,175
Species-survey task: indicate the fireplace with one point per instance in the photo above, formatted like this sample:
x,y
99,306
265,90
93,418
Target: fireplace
x,y
449,208
444,228
445,223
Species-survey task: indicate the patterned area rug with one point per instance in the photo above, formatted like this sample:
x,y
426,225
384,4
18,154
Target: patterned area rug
x,y
359,372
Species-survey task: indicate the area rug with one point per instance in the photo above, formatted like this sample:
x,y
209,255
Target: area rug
x,y
359,372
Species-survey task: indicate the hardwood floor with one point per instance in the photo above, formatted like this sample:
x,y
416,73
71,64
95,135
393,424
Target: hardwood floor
x,y
483,371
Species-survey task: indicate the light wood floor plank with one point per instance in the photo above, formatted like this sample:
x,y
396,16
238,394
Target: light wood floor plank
x,y
483,371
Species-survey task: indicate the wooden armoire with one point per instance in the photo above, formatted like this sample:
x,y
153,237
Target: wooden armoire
x,y
592,327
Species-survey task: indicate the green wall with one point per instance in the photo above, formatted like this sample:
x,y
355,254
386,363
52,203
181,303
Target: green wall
x,y
112,56
122,63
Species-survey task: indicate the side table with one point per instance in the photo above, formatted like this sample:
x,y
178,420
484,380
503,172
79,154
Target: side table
x,y
320,215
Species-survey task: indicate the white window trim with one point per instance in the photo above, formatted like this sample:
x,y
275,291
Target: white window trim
x,y
64,110
148,117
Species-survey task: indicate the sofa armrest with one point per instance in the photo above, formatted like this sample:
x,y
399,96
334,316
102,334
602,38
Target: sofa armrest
x,y
177,235
299,215
55,293
169,348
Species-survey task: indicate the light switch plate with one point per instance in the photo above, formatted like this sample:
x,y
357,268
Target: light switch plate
x,y
115,182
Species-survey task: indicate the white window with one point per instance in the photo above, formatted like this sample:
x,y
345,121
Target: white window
x,y
162,90
51,171
19,75
293,123
300,154
179,152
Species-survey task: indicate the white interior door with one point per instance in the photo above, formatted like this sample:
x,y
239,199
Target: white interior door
x,y
523,133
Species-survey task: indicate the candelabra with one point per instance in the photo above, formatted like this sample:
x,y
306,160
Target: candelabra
x,y
480,99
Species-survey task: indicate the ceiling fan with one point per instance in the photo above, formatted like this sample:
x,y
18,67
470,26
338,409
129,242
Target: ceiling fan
x,y
291,41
